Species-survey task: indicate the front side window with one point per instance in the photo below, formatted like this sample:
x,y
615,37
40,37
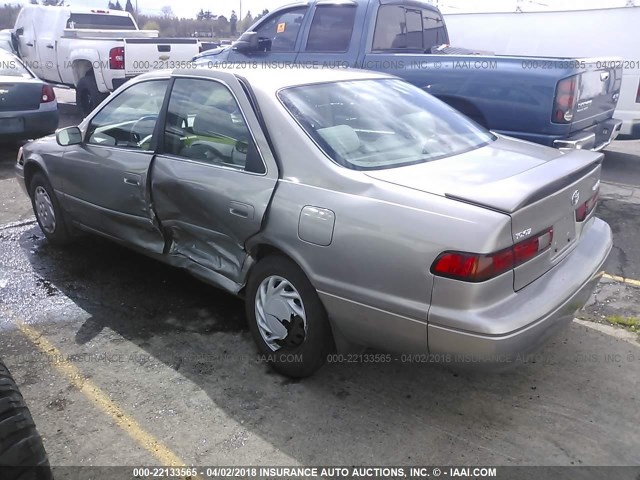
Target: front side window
x,y
331,28
130,118
280,32
376,124
406,28
204,123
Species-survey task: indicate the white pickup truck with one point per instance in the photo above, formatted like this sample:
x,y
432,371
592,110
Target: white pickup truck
x,y
94,51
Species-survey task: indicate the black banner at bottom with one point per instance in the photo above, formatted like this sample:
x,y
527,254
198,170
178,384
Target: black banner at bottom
x,y
323,472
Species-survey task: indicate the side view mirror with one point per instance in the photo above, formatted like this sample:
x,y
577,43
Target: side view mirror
x,y
248,42
19,32
69,136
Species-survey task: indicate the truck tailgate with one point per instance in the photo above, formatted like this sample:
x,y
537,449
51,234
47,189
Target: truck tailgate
x,y
598,93
142,55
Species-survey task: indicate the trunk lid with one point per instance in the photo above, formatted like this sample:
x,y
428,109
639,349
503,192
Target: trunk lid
x,y
18,94
142,55
598,92
538,187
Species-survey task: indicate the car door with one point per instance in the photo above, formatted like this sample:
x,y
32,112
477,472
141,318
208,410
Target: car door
x,y
214,175
279,35
106,177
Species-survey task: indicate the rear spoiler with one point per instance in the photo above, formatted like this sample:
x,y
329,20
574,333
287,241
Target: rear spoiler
x,y
506,195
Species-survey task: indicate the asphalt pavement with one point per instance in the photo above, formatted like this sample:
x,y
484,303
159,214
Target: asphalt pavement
x,y
160,368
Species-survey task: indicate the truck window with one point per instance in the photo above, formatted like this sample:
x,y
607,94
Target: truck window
x,y
281,31
90,21
407,28
331,28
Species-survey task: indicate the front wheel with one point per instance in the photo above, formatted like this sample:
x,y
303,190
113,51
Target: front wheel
x,y
286,318
47,210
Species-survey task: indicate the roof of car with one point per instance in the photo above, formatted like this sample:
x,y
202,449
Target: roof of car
x,y
276,76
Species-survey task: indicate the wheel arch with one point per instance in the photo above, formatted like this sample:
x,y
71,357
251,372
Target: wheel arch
x,y
31,167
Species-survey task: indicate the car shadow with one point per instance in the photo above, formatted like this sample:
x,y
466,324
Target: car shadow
x,y
349,412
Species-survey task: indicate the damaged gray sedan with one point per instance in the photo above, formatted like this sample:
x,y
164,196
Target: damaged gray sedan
x,y
350,209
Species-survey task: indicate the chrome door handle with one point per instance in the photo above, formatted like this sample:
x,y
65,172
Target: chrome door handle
x,y
241,210
50,46
132,181
29,44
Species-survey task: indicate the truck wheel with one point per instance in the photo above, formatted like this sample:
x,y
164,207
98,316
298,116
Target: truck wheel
x,y
48,213
286,318
88,96
20,444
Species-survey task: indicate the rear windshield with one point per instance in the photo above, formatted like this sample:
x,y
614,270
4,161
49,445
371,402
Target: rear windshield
x,y
11,67
376,124
94,21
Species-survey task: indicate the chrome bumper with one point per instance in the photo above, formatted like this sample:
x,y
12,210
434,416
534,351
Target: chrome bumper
x,y
595,141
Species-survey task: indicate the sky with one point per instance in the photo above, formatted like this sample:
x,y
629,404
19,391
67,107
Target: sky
x,y
189,8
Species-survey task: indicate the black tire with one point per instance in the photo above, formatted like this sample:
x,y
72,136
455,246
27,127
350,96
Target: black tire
x,y
22,454
60,235
88,96
293,361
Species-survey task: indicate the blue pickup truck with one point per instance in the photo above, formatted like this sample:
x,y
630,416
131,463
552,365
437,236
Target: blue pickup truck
x,y
561,102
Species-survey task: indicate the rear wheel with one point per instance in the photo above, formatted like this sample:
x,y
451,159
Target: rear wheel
x,y
48,213
286,318
88,96
21,447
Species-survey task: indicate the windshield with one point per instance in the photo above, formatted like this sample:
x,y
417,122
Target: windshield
x,y
375,124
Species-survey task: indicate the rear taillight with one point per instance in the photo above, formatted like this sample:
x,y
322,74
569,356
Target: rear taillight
x,y
116,58
472,267
565,100
583,211
48,95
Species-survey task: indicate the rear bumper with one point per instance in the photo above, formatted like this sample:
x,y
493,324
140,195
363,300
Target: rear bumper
x,y
559,294
28,124
594,138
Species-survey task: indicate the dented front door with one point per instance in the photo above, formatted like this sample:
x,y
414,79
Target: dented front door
x,y
214,176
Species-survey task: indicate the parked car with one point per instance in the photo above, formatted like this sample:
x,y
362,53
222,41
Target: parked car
x,y
28,106
94,51
409,38
346,207
574,33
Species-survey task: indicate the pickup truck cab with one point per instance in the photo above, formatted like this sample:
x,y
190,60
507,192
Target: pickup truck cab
x,y
568,104
94,51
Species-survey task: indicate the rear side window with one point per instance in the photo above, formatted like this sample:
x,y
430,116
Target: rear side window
x,y
331,28
280,32
90,21
407,28
205,123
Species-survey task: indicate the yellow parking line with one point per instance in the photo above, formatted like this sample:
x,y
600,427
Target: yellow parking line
x,y
101,399
628,281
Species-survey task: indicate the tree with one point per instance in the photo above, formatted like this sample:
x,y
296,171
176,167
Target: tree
x,y
129,7
34,2
151,25
233,23
167,11
118,6
260,15
52,3
247,22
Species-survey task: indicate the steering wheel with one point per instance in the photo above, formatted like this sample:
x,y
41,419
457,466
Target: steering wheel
x,y
202,151
135,136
